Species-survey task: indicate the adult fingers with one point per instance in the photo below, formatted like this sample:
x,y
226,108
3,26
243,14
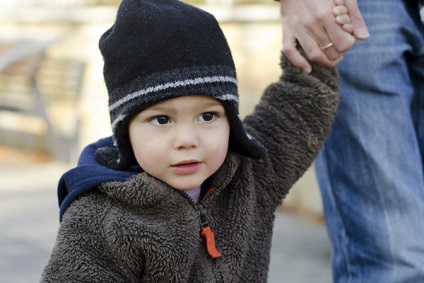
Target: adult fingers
x,y
342,40
328,57
312,51
292,53
304,22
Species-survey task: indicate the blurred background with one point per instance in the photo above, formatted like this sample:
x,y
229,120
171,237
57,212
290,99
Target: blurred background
x,y
53,102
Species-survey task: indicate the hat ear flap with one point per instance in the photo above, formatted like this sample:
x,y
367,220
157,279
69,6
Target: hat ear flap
x,y
240,140
119,156
108,156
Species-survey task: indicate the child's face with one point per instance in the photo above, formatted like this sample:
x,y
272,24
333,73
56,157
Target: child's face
x,y
181,141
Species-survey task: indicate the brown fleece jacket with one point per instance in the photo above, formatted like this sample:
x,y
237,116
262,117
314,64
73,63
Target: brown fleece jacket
x,y
143,230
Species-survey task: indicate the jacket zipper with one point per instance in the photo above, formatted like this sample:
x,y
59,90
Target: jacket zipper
x,y
210,244
209,236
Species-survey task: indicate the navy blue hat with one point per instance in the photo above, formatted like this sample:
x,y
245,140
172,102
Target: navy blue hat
x,y
162,49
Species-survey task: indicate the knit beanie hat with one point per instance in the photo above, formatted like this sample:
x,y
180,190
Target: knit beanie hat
x,y
162,49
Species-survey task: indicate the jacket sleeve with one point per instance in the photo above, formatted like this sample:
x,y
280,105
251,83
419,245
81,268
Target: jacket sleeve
x,y
292,121
82,252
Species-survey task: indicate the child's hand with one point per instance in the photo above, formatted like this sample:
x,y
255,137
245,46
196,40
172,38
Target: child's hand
x,y
341,15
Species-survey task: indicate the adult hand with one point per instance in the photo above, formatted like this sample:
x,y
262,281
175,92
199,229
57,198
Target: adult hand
x,y
312,24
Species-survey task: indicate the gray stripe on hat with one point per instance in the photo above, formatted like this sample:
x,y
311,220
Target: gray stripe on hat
x,y
118,119
161,87
229,97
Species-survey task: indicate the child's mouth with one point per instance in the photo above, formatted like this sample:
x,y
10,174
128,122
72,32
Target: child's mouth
x,y
186,167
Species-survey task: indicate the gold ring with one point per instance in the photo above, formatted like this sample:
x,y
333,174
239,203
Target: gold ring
x,y
325,47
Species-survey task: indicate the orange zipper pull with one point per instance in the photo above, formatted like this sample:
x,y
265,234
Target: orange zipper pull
x,y
208,234
210,242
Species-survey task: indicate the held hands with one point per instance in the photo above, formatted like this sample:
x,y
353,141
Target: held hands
x,y
324,28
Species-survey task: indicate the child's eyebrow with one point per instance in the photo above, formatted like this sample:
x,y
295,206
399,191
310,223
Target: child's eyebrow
x,y
159,108
211,103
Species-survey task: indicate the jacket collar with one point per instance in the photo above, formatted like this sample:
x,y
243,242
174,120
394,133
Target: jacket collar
x,y
144,190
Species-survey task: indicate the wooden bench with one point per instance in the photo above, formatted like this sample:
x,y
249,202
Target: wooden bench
x,y
44,94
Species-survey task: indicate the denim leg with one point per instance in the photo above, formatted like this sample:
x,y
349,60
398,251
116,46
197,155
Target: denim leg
x,y
370,170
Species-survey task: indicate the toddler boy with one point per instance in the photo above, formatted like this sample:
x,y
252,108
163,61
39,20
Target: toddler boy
x,y
184,191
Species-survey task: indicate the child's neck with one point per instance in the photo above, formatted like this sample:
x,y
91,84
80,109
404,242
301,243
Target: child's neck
x,y
194,194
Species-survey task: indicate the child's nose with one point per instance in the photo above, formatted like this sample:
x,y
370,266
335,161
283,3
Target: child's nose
x,y
186,137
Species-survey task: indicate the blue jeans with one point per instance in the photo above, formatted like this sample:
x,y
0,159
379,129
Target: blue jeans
x,y
370,170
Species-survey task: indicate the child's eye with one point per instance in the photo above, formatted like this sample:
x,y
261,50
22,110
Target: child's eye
x,y
160,120
207,116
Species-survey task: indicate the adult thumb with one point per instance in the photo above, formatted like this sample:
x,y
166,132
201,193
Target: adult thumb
x,y
360,30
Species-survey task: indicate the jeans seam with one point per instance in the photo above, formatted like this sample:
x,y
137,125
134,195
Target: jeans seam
x,y
342,234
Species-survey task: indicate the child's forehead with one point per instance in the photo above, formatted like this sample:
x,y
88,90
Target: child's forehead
x,y
187,101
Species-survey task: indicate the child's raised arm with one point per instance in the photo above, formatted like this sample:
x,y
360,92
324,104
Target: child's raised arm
x,y
292,120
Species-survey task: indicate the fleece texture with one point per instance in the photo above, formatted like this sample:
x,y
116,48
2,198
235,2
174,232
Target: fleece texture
x,y
142,230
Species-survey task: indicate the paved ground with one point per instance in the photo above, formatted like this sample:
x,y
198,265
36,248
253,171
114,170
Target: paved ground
x,y
29,221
